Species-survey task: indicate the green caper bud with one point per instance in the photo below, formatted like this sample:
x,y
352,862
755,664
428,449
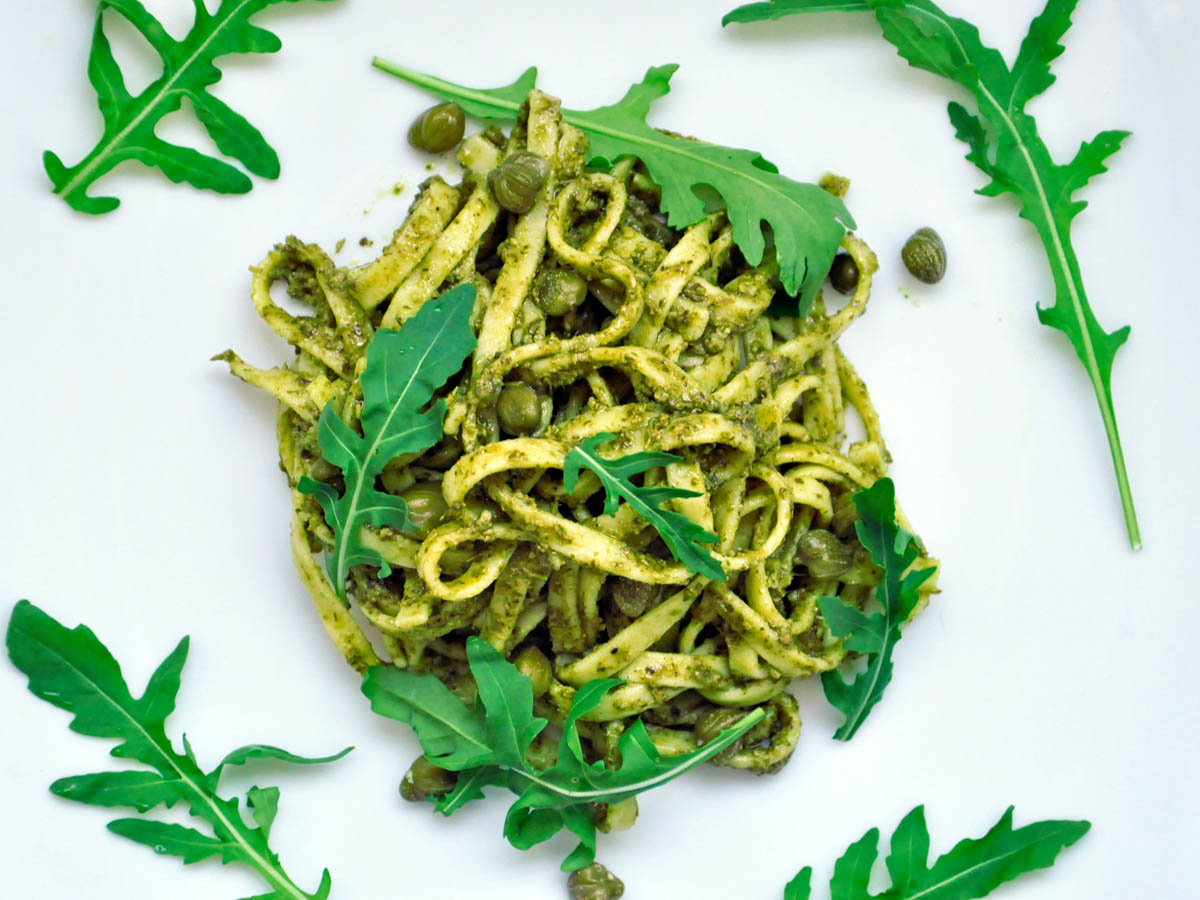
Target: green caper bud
x,y
631,597
558,291
845,514
594,882
924,256
425,505
423,779
532,663
823,554
516,181
519,409
713,722
438,129
843,274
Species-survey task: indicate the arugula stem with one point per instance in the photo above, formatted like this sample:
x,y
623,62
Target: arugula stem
x,y
438,86
703,755
272,872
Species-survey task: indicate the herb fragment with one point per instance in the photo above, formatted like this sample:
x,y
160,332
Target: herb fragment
x,y
189,70
404,369
1005,144
807,222
683,536
73,670
894,550
489,745
974,868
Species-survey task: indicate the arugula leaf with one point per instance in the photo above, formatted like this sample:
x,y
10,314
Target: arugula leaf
x,y
974,868
1005,144
404,369
189,70
807,222
488,745
894,550
683,536
73,670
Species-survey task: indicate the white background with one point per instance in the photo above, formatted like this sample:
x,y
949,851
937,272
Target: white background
x,y
1056,672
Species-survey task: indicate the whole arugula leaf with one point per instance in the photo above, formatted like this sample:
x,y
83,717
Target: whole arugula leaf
x,y
873,634
404,369
73,670
1005,144
189,70
974,868
683,536
488,745
807,222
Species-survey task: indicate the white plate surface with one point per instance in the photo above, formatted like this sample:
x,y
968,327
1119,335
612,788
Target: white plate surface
x,y
1055,672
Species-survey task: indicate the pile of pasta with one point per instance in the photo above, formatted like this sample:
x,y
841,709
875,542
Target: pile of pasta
x,y
673,349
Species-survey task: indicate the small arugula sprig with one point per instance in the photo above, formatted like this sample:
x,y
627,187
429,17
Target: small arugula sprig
x,y
808,223
974,868
73,670
683,536
189,70
1005,144
894,550
404,369
489,745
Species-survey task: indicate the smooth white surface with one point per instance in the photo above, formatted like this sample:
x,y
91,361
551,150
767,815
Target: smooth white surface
x,y
1056,671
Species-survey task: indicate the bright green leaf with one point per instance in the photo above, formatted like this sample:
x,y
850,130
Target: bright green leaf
x,y
874,634
74,671
141,790
973,869
683,536
189,70
404,369
264,806
170,840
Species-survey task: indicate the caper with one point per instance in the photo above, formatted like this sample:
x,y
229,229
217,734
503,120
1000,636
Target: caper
x,y
713,722
631,597
823,554
924,256
516,181
843,274
439,128
845,514
557,291
423,779
519,409
594,882
533,664
425,505
444,453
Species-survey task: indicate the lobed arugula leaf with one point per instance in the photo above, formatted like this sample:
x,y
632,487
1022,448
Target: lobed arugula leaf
x,y
807,222
683,536
1004,143
73,670
873,634
189,70
488,746
404,369
974,868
